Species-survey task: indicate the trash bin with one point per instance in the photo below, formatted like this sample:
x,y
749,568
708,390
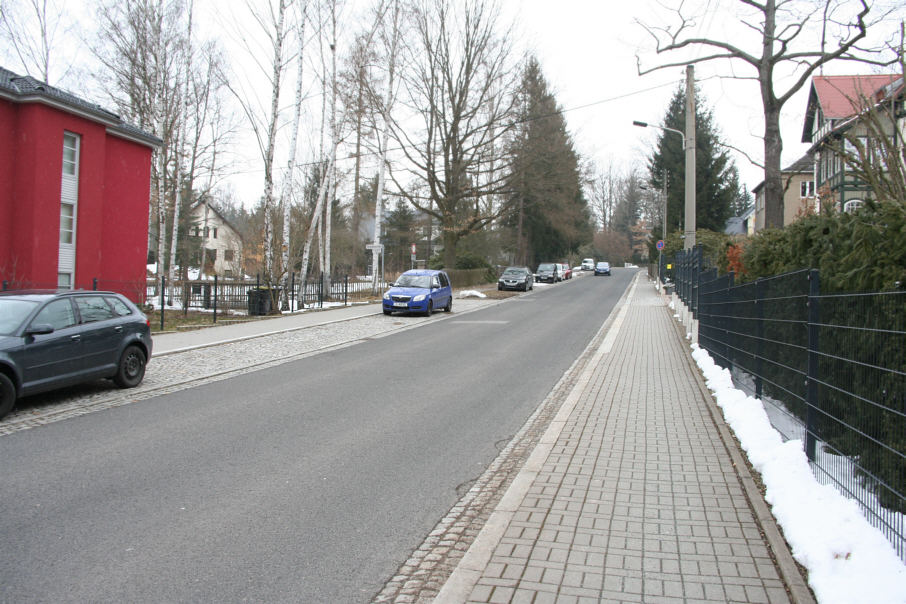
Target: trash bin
x,y
261,300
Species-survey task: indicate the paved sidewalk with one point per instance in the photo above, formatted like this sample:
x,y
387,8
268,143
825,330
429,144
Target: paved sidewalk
x,y
636,492
167,343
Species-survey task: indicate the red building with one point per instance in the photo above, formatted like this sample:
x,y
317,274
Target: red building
x,y
75,191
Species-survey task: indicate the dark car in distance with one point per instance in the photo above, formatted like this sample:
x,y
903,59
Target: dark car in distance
x,y
548,272
602,268
54,339
516,277
419,291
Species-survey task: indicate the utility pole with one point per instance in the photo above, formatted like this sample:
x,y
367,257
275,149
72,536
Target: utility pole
x,y
689,228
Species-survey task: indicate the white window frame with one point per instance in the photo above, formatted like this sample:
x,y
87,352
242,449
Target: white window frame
x,y
69,201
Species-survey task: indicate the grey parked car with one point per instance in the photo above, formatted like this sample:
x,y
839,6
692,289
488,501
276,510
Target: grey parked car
x,y
51,339
516,277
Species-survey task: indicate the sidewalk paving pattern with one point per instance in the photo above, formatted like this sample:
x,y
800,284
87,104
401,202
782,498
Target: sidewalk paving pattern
x,y
632,495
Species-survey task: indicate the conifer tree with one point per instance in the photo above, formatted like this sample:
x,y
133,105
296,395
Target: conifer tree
x,y
550,216
716,188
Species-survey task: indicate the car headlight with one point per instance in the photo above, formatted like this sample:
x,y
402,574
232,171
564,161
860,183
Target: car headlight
x,y
386,295
419,298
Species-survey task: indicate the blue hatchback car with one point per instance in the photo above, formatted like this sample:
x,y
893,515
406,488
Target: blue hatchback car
x,y
420,291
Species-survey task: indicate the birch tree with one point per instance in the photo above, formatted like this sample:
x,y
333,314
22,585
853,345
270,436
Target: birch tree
x,y
272,23
385,109
38,33
285,194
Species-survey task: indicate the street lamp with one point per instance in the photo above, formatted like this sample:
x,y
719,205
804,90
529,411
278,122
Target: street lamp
x,y
689,232
647,125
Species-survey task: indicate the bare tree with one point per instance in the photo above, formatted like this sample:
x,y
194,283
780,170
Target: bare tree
x,y
459,82
391,41
139,45
34,31
785,31
872,148
272,23
291,161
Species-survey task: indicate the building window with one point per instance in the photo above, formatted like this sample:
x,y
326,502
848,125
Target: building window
x,y
215,232
807,188
67,222
64,280
228,255
70,153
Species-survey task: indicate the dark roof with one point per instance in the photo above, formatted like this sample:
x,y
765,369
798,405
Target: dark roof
x,y
805,164
26,89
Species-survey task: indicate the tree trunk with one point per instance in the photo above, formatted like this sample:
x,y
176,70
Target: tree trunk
x,y
271,143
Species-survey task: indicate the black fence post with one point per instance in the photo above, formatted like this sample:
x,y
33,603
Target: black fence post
x,y
321,290
346,290
759,336
215,298
5,285
292,292
94,284
811,396
163,287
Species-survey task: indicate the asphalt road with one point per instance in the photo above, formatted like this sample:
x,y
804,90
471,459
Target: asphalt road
x,y
307,482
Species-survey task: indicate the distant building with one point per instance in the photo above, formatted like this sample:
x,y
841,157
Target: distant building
x,y
834,104
75,195
799,195
741,225
222,244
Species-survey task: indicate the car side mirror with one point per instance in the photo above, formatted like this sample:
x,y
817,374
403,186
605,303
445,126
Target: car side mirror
x,y
391,284
38,329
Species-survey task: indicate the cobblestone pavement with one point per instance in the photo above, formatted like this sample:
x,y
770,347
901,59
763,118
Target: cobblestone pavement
x,y
181,370
624,487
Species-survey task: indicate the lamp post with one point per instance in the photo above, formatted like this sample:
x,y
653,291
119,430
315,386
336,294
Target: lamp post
x,y
689,148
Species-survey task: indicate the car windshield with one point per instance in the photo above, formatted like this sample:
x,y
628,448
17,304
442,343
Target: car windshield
x,y
546,267
513,272
420,281
602,265
12,313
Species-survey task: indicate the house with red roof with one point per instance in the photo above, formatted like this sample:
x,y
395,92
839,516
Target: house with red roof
x,y
834,105
75,196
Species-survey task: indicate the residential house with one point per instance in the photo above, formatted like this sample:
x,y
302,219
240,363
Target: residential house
x,y
213,237
741,225
834,104
799,196
75,195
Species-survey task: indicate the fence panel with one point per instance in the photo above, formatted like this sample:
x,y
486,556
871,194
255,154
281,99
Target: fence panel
x,y
831,372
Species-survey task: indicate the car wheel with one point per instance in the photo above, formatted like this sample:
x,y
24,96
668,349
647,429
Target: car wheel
x,y
430,308
387,312
499,287
449,306
131,371
7,395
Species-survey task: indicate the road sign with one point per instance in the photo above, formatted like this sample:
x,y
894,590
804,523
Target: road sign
x,y
375,246
660,244
413,249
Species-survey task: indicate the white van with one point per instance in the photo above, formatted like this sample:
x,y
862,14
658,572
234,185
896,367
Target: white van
x,y
588,264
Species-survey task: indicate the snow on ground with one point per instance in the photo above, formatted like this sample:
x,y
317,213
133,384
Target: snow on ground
x,y
848,561
471,293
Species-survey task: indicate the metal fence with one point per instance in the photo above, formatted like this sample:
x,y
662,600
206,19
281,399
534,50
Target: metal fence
x,y
829,368
235,295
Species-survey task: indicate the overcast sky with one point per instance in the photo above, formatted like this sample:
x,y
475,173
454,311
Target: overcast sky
x,y
587,50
